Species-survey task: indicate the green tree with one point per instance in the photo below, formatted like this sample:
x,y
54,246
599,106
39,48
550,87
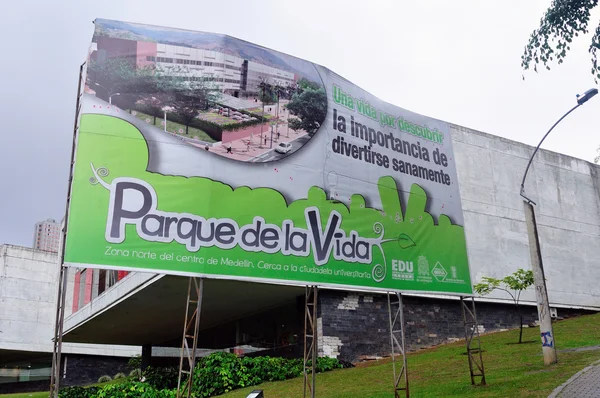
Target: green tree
x,y
561,24
190,93
120,75
309,105
265,96
513,284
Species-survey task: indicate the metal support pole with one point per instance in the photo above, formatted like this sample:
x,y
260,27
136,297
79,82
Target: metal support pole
x,y
397,328
473,341
190,325
310,340
63,274
58,332
546,332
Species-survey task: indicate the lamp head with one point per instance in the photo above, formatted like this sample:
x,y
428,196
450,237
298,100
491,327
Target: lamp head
x,y
582,99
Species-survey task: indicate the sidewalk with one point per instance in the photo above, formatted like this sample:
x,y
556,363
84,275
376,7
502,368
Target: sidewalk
x,y
584,384
248,148
244,152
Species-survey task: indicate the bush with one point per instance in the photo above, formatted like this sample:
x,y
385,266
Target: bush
x,y
161,378
133,390
134,362
104,379
77,392
325,364
136,374
119,376
222,372
219,373
212,129
215,374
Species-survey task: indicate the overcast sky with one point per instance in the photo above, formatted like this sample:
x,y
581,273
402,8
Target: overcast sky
x,y
457,61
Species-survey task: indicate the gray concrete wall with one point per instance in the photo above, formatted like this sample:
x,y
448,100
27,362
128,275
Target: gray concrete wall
x,y
27,297
567,191
28,288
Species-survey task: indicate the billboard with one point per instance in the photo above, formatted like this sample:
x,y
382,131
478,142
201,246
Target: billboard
x,y
202,154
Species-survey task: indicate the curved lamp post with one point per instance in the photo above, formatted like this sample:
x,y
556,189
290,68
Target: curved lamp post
x,y
108,92
580,101
546,332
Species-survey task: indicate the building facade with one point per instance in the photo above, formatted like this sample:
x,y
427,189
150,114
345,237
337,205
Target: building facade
x,y
28,292
231,74
47,236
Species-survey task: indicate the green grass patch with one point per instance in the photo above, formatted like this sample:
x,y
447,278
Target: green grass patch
x,y
175,127
512,370
45,394
27,395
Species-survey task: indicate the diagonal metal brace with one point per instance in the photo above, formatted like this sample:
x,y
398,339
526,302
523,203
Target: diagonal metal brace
x,y
473,341
398,344
189,341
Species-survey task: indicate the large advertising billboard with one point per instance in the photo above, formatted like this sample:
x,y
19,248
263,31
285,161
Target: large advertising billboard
x,y
202,154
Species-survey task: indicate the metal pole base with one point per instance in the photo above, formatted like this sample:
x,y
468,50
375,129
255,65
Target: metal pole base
x,y
473,341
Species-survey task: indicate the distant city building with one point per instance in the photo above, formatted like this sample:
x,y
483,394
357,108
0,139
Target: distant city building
x,y
46,236
232,74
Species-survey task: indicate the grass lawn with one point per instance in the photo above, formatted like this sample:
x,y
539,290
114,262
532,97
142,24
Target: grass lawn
x,y
175,127
512,370
45,394
27,395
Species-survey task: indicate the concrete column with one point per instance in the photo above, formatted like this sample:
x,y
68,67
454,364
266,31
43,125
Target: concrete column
x,y
546,333
146,355
95,283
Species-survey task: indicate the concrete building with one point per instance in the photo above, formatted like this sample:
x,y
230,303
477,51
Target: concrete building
x,y
28,291
148,309
231,74
47,235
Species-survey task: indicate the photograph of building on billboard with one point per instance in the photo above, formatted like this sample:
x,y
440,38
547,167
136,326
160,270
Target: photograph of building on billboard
x,y
201,154
213,92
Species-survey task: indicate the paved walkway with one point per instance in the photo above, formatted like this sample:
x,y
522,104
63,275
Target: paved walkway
x,y
584,384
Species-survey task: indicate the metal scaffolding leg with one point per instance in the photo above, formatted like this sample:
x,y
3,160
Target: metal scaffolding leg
x,y
310,341
190,325
473,341
58,332
62,273
397,331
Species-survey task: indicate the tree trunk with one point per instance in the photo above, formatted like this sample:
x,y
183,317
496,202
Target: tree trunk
x,y
262,123
186,129
154,120
520,324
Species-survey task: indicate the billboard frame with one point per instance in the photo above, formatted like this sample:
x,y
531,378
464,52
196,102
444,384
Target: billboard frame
x,y
311,301
62,274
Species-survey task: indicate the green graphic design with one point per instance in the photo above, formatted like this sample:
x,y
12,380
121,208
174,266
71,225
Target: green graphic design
x,y
406,249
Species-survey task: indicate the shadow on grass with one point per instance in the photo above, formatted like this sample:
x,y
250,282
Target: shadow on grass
x,y
524,342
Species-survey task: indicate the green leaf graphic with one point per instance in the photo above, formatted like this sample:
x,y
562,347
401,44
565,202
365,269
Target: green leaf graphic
x,y
405,241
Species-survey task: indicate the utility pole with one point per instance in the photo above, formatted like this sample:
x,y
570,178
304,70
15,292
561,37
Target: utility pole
x,y
537,266
541,294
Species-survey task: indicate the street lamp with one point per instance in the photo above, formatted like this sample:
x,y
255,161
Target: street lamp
x,y
580,101
164,109
110,97
546,332
108,92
